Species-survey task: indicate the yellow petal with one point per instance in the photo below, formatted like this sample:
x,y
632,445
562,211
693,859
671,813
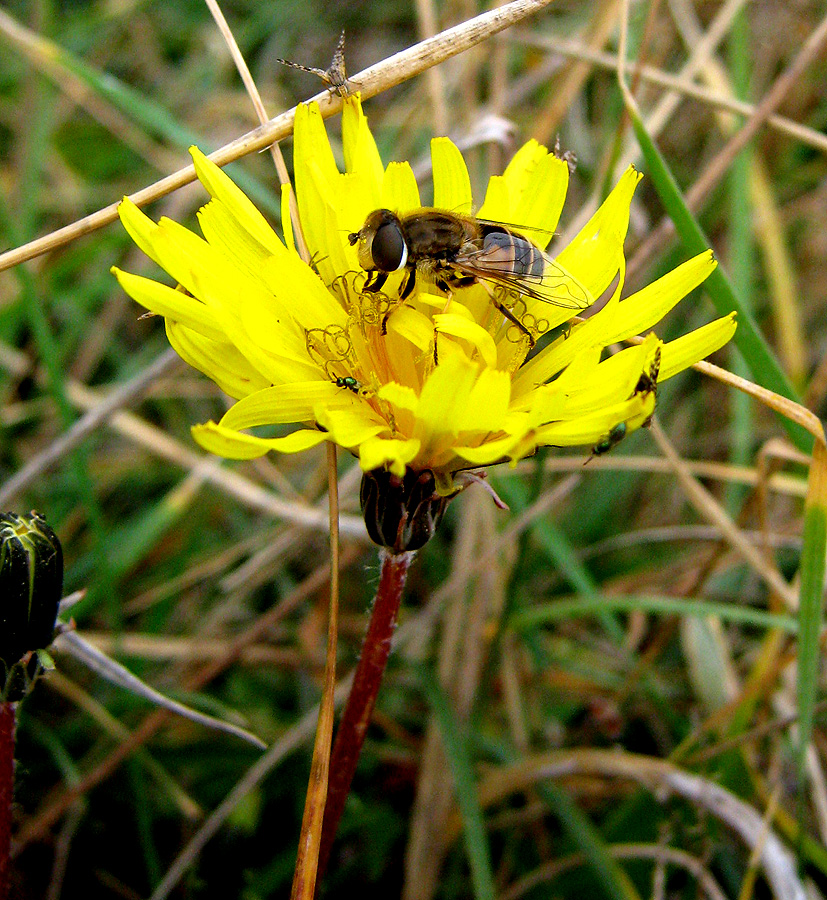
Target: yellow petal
x,y
460,327
518,171
399,188
350,428
166,301
224,189
286,218
595,254
280,405
400,395
412,325
556,356
497,204
225,236
139,227
315,174
361,154
688,349
487,453
391,453
452,186
613,380
444,396
644,309
591,429
310,143
301,294
235,445
218,360
541,201
487,403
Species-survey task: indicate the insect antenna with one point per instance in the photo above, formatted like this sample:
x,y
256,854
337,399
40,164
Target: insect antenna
x,y
335,76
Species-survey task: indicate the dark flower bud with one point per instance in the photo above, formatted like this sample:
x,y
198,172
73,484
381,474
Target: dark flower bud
x,y
401,513
31,585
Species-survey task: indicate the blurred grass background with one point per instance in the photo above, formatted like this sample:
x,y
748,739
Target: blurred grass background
x,y
602,611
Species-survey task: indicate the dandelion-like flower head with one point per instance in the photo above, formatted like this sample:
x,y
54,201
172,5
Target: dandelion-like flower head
x,y
437,383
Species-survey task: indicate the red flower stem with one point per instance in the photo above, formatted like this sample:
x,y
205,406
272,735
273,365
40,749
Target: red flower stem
x,y
7,723
362,698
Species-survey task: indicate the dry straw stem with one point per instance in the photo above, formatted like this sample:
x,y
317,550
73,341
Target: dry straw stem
x,y
662,855
371,81
682,84
713,512
718,166
548,120
657,118
769,230
307,860
789,485
661,778
190,650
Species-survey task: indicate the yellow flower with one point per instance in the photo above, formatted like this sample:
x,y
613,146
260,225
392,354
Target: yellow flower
x,y
438,382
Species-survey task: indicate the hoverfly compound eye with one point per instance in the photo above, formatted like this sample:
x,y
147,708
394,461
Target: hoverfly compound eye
x,y
389,250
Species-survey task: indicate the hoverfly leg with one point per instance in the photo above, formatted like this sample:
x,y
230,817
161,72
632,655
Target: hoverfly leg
x,y
408,287
375,282
514,320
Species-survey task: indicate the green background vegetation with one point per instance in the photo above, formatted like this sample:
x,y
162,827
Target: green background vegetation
x,y
611,617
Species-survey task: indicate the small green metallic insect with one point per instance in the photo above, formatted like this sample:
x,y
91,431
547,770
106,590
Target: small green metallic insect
x,y
612,439
349,382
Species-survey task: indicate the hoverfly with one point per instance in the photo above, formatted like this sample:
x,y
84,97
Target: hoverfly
x,y
455,251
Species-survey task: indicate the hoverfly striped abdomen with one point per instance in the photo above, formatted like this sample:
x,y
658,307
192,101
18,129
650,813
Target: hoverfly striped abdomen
x,y
512,253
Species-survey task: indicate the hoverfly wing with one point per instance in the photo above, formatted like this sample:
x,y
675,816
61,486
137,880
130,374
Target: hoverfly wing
x,y
558,285
520,266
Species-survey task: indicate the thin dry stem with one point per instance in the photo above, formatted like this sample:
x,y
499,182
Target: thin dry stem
x,y
661,778
548,120
719,165
307,862
681,83
663,854
712,511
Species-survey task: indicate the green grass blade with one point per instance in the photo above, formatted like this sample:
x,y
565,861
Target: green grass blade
x,y
157,121
748,338
810,611
668,606
561,553
456,749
